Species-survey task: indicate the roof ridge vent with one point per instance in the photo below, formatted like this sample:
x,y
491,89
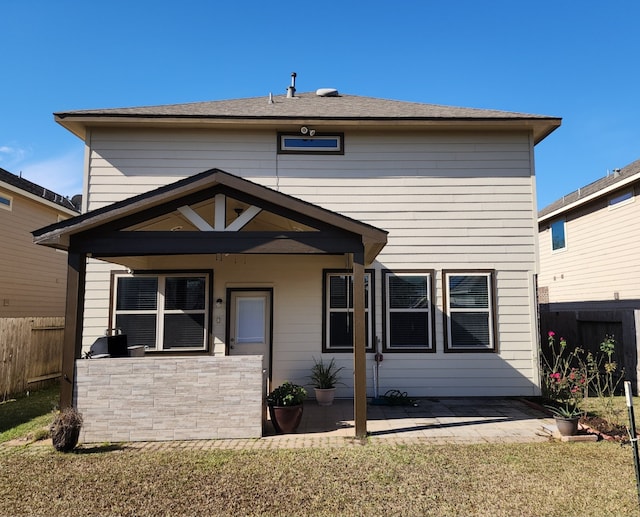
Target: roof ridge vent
x,y
327,92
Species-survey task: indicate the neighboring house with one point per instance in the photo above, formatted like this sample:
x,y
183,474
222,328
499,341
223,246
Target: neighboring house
x,y
298,227
32,278
589,282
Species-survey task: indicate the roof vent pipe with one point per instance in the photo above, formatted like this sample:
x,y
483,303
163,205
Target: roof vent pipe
x,y
291,91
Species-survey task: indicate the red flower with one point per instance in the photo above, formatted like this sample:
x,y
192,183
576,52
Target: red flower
x,y
551,333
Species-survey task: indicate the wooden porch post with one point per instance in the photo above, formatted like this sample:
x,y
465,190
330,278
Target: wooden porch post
x,y
359,347
72,347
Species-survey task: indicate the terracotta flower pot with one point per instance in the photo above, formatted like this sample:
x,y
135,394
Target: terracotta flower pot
x,y
567,426
324,396
286,419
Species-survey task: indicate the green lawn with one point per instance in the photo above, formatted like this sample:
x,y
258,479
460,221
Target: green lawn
x,y
28,415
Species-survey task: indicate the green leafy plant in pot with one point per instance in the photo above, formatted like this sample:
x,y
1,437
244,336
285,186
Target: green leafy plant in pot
x,y
324,378
285,407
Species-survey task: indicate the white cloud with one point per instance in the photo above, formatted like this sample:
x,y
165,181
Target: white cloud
x,y
11,155
62,174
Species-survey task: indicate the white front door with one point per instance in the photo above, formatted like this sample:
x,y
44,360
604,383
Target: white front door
x,y
250,325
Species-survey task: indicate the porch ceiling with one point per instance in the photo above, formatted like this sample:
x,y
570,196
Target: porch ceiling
x,y
212,212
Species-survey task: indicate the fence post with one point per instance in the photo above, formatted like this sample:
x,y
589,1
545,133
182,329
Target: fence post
x,y
632,430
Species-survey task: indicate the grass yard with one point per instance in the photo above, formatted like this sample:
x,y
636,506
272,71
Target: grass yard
x,y
544,479
28,415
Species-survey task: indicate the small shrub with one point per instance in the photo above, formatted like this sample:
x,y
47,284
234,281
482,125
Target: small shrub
x,y
287,394
65,429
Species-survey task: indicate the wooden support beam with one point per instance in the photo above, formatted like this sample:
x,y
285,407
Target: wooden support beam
x,y
72,346
359,346
141,243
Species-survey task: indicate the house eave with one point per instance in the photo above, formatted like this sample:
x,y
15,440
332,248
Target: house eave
x,y
588,199
540,127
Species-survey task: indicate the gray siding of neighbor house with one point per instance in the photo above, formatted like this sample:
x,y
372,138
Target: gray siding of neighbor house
x,y
169,398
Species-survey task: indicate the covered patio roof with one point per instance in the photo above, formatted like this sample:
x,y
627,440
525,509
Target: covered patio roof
x,y
156,223
209,213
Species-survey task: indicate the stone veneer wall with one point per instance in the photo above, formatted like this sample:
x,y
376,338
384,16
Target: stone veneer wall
x,y
169,398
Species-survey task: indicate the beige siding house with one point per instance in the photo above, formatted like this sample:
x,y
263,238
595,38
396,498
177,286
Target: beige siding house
x,y
397,238
32,278
589,282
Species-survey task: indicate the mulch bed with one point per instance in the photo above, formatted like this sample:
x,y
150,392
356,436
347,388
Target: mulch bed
x,y
604,428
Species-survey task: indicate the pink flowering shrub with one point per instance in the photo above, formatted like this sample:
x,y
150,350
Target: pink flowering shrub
x,y
565,375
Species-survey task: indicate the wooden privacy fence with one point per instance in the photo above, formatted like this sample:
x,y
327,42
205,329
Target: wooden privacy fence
x,y
30,353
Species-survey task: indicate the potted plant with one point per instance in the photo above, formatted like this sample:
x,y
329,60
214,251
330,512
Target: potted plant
x,y
324,378
566,378
567,418
285,407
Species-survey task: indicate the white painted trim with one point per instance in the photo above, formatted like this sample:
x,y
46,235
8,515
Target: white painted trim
x,y
33,197
195,219
220,222
243,219
595,195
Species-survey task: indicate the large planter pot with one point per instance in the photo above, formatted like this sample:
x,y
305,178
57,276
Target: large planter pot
x,y
325,396
286,419
567,426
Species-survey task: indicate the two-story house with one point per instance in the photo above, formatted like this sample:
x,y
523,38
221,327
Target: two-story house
x,y
589,283
376,232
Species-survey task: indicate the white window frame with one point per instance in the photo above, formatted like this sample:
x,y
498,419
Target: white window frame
x,y
490,310
427,311
159,312
622,198
564,228
328,310
9,201
286,145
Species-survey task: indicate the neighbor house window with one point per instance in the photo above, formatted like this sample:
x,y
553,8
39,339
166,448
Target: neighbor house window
x,y
558,239
408,311
470,311
5,201
338,311
165,312
299,143
621,198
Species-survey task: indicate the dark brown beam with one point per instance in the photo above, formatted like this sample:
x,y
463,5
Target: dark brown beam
x,y
182,243
72,345
359,346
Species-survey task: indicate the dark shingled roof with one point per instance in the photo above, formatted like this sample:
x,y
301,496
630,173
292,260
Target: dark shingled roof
x,y
592,188
37,190
307,108
308,105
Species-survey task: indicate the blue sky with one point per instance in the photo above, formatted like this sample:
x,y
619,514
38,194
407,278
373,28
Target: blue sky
x,y
575,60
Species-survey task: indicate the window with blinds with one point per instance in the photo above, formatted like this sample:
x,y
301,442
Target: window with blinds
x,y
166,312
408,311
469,299
338,311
